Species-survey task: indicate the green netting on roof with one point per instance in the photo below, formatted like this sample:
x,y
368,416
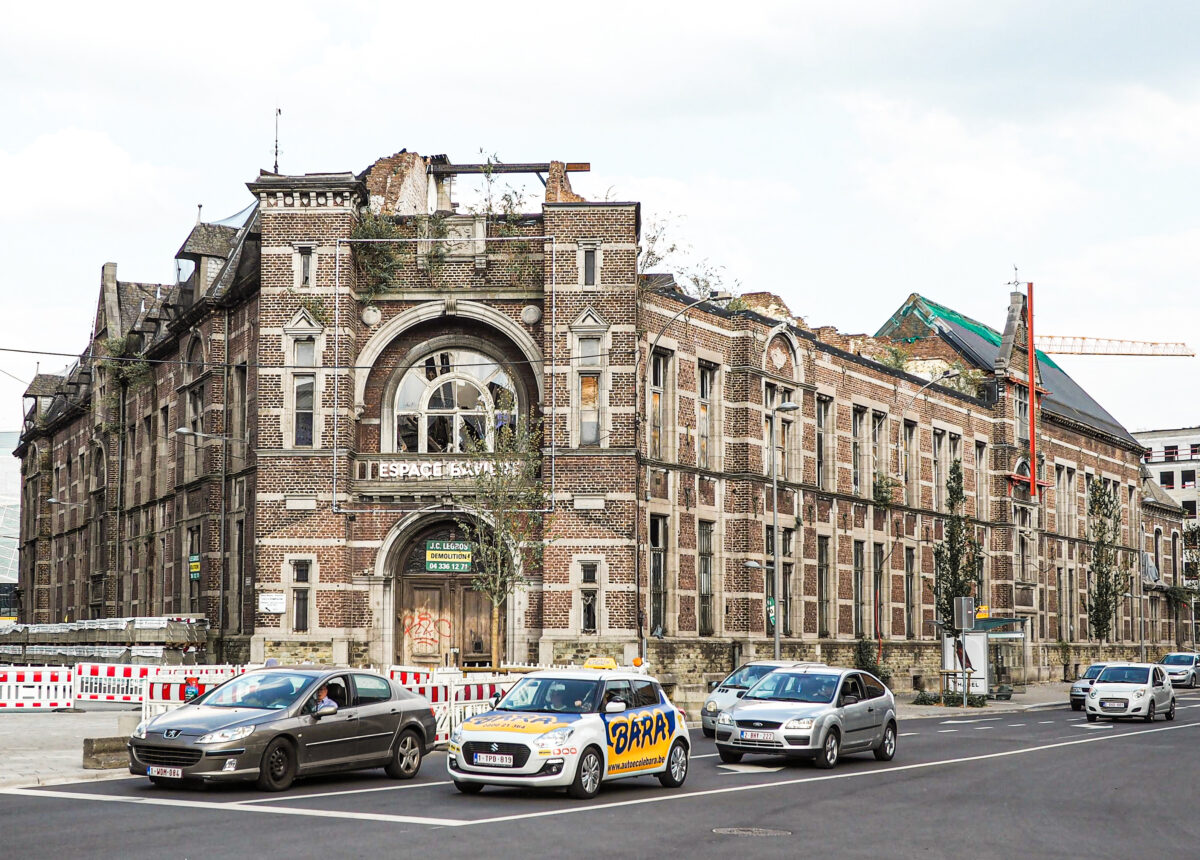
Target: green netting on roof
x,y
989,334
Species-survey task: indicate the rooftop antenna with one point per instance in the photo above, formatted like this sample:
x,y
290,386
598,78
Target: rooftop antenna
x,y
277,113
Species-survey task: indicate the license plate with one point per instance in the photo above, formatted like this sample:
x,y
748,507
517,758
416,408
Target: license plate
x,y
169,772
758,736
495,760
1109,703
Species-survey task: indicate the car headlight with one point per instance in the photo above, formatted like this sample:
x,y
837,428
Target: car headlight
x,y
805,723
725,720
456,735
554,737
140,731
222,736
1138,693
711,707
1093,693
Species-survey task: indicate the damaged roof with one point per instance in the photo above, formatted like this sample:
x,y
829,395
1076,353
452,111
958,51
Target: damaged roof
x,y
208,240
43,385
980,345
1152,492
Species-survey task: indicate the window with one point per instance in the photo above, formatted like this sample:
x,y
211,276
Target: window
x,y
857,450
645,694
371,689
1021,396
589,623
451,399
826,450
1195,451
910,592
589,408
981,487
305,253
706,375
589,267
878,431
1187,479
191,564
878,589
1189,510
823,619
303,423
1167,480
658,574
785,607
860,551
301,572
911,470
955,449
658,381
939,468
1072,518
195,423
1024,540
704,540
1170,453
305,352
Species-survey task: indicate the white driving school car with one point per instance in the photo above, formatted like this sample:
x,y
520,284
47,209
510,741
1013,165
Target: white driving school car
x,y
572,728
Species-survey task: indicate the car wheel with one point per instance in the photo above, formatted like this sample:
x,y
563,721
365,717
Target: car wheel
x,y
1149,712
587,775
1171,711
406,757
708,733
1076,706
468,787
729,756
886,750
1192,682
828,756
1092,718
677,766
278,768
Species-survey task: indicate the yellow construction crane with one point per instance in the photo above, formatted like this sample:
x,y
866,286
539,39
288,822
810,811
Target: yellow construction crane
x,y
1106,346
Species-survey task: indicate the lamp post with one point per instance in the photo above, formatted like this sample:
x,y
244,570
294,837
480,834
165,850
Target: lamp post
x,y
711,295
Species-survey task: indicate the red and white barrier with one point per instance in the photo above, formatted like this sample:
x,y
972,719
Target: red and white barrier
x,y
168,690
38,688
408,676
111,682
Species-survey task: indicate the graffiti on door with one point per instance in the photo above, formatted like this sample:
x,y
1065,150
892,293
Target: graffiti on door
x,y
426,630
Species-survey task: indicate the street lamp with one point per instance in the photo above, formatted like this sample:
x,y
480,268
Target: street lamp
x,y
54,501
710,296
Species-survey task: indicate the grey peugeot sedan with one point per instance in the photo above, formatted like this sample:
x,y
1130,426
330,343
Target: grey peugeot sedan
x,y
270,725
817,712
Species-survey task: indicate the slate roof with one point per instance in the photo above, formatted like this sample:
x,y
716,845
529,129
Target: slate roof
x,y
1152,492
980,345
208,240
43,385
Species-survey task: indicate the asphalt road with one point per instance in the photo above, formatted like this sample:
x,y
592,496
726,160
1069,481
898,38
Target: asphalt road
x,y
1043,784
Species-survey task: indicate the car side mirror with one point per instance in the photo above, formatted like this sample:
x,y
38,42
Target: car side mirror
x,y
614,707
740,693
712,685
325,711
849,699
496,699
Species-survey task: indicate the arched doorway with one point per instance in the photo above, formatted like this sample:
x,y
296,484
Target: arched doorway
x,y
440,619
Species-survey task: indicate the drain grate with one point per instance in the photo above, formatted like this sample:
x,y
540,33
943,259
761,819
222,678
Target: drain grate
x,y
750,831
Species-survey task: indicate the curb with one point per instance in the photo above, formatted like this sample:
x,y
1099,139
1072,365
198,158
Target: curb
x,y
64,779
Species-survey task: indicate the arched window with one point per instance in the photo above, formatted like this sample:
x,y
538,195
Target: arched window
x,y
443,402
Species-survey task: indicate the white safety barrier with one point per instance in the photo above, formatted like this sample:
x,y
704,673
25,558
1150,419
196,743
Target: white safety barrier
x,y
39,687
178,685
111,682
408,675
453,696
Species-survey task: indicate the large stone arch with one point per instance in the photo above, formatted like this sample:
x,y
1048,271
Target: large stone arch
x,y
432,310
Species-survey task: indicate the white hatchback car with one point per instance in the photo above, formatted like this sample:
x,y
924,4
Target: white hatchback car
x,y
572,728
1131,690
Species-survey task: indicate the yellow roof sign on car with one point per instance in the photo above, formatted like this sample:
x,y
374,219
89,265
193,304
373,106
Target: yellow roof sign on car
x,y
600,663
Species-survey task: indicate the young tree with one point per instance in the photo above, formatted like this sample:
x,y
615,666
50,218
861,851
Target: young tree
x,y
1108,582
503,515
956,557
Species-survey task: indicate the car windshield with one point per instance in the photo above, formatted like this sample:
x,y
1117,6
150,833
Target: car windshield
x,y
746,676
1178,660
1124,675
793,687
552,695
268,691
1093,670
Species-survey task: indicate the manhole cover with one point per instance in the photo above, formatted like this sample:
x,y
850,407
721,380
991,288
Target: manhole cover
x,y
750,831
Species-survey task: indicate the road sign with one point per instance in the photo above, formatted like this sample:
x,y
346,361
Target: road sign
x,y
448,556
983,611
964,613
771,611
194,566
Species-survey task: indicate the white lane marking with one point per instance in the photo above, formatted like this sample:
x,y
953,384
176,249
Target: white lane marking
x,y
1045,722
976,720
944,731
909,734
747,768
1015,725
1095,726
707,755
569,810
983,728
347,791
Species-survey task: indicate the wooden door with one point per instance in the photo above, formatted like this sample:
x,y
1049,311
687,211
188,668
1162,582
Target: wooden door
x,y
475,643
425,628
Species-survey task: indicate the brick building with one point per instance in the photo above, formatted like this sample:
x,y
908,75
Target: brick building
x,y
276,442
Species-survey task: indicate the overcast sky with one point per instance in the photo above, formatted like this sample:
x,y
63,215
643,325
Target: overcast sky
x,y
842,155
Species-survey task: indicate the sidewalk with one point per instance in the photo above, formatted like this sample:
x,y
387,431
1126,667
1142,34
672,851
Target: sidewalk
x,y
1054,694
45,748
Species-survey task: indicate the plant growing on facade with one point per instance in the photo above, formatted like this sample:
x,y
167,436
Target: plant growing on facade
x,y
1108,582
125,371
895,356
967,379
956,556
377,254
884,489
503,514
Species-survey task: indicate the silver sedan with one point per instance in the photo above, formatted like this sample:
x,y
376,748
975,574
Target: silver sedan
x,y
816,712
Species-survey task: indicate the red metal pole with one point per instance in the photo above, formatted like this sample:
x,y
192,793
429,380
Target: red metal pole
x,y
1033,485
